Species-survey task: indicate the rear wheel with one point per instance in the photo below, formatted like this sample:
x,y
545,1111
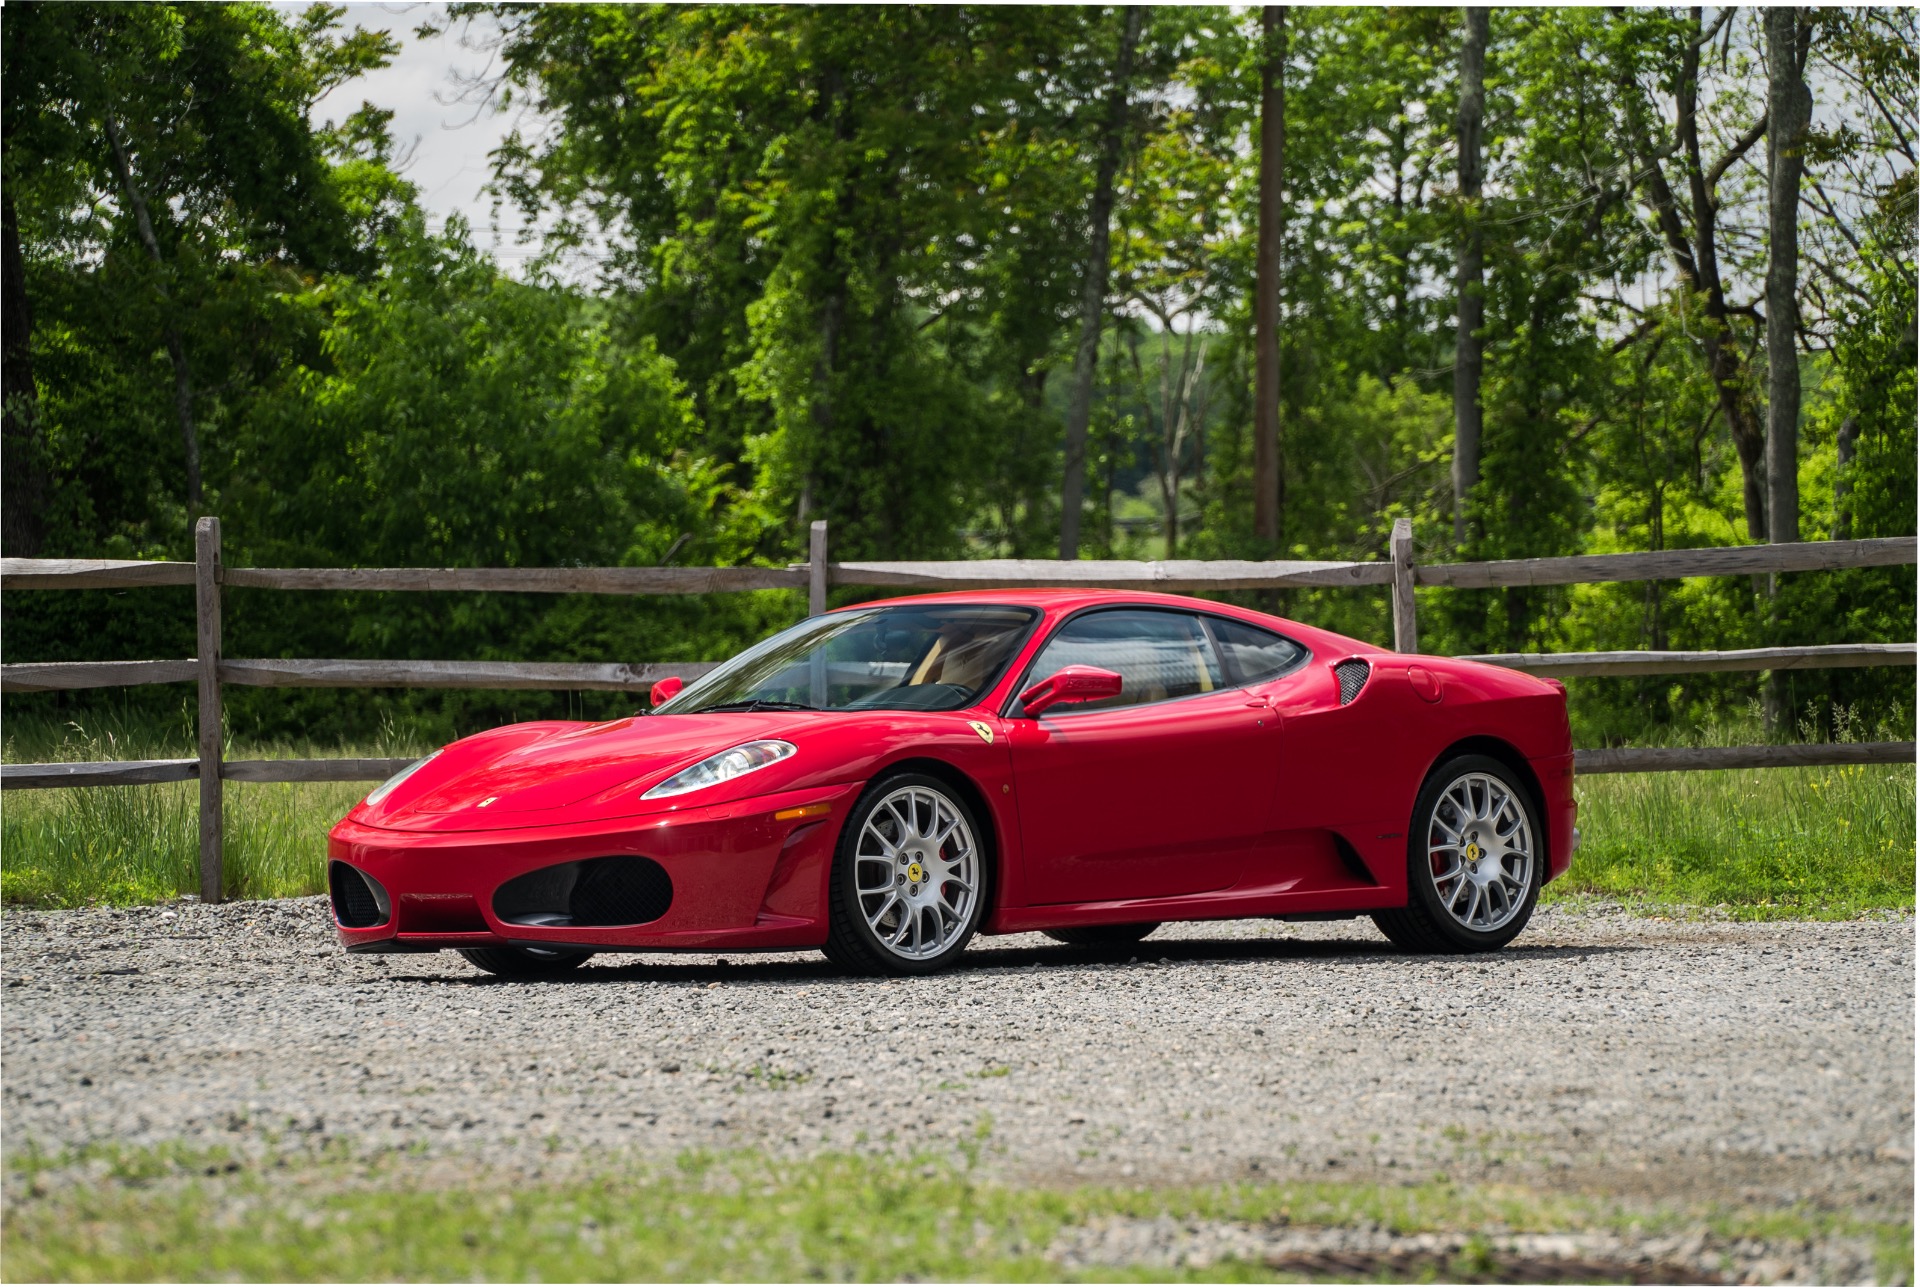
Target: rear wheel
x,y
1108,936
1474,861
525,962
909,882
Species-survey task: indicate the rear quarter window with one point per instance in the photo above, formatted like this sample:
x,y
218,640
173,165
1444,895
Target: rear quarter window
x,y
1252,654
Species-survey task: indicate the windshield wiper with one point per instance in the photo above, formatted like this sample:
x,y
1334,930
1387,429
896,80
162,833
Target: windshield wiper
x,y
755,704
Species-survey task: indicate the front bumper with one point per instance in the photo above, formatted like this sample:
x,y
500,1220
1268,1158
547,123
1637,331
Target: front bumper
x,y
741,878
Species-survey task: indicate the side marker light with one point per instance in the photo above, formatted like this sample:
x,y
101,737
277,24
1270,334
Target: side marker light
x,y
803,811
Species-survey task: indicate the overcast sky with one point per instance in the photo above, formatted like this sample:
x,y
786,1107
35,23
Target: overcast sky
x,y
445,140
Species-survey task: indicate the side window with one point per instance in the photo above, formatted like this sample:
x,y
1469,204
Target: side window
x,y
1158,655
1253,654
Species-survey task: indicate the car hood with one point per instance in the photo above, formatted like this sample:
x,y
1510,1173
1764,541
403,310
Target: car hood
x,y
520,775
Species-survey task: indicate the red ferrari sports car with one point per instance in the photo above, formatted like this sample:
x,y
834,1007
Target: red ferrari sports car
x,y
884,781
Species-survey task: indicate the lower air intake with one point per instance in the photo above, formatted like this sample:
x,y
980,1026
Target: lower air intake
x,y
596,891
1352,674
358,900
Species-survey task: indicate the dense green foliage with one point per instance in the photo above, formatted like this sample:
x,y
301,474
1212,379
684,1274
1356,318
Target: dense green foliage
x,y
841,258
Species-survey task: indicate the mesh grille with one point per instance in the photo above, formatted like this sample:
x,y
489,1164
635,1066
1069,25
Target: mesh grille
x,y
597,891
621,891
354,905
1352,674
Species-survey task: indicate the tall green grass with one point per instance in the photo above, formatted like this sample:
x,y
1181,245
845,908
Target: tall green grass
x,y
1757,843
1831,842
140,844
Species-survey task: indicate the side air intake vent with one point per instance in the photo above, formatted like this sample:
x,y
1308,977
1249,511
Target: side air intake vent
x,y
596,891
1352,674
358,900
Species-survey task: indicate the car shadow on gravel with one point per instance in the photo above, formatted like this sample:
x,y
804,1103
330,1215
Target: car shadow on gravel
x,y
1149,955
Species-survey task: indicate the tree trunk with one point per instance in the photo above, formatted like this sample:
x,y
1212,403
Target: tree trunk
x,y
23,475
1843,477
1696,260
1093,287
176,346
1470,284
1267,485
1789,113
1191,371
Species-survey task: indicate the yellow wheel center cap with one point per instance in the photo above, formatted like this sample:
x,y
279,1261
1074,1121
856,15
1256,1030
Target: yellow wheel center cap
x,y
1473,852
916,873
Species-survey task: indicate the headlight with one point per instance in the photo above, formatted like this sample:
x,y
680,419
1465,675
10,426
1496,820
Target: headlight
x,y
723,767
385,789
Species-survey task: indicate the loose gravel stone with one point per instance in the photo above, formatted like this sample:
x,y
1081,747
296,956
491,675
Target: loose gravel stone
x,y
1750,1064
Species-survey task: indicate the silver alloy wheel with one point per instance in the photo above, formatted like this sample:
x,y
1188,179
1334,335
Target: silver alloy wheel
x,y
916,872
1480,851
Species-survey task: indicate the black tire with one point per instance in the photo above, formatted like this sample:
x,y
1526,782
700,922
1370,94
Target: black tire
x,y
1425,924
525,963
1103,936
852,943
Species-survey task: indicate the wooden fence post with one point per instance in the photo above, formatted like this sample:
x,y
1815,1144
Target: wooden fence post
x,y
817,604
206,585
817,568
1406,636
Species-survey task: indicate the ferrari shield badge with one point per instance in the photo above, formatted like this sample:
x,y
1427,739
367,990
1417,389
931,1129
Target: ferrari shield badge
x,y
986,733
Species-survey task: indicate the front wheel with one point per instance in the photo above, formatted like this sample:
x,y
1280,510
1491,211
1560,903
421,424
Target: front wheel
x,y
525,962
1474,861
909,882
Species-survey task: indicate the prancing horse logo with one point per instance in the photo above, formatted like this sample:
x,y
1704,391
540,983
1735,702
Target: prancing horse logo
x,y
986,733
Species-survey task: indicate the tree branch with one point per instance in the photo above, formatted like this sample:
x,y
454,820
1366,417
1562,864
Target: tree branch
x,y
1833,214
1833,275
1706,37
1738,150
1634,336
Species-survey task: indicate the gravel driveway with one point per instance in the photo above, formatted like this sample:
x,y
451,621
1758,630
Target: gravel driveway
x,y
1751,1064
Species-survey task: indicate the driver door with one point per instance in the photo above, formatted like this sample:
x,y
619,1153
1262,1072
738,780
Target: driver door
x,y
1164,790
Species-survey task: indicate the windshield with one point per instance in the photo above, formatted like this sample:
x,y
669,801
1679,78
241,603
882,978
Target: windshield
x,y
933,657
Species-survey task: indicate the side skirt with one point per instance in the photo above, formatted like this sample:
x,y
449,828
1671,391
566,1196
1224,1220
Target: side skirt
x,y
1226,905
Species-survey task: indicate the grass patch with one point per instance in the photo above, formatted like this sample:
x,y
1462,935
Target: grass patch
x,y
1767,843
1819,843
733,1217
141,844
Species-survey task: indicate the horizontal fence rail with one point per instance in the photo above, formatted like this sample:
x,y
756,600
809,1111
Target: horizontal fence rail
x,y
55,676
572,676
1671,565
1671,759
1399,572
522,580
30,777
1230,574
90,574
119,574
15,777
1169,575
1809,657
1626,759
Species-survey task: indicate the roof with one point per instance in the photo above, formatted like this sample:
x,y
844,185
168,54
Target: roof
x,y
1064,599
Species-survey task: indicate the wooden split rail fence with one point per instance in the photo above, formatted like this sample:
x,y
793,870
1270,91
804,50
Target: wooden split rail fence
x,y
210,670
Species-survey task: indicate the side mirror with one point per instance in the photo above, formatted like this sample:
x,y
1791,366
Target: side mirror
x,y
665,690
1070,684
